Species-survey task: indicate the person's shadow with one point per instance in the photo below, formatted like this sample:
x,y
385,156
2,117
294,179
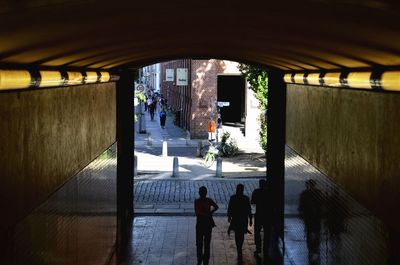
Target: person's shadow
x,y
310,209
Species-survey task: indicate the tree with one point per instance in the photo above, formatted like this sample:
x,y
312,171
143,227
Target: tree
x,y
258,80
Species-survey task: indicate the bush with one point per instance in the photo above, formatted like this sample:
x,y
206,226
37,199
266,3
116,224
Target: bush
x,y
228,145
258,80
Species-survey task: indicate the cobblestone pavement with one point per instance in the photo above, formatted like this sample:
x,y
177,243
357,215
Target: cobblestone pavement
x,y
186,151
177,196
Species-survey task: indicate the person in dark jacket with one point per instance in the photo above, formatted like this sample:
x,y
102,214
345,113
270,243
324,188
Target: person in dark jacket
x,y
263,217
239,214
204,208
152,107
163,117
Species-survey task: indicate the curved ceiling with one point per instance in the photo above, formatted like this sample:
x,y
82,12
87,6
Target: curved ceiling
x,y
290,35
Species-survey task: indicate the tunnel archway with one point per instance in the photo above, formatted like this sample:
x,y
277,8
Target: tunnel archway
x,y
288,35
309,37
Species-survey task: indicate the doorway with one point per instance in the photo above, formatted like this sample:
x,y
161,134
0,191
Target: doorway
x,y
231,88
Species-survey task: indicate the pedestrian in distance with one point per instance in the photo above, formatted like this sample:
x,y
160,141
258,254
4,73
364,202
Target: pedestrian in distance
x,y
148,102
145,103
204,208
163,117
162,101
152,107
263,218
239,215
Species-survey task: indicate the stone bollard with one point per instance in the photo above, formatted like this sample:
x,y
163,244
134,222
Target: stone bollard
x,y
164,149
149,140
135,166
187,138
175,171
218,173
199,148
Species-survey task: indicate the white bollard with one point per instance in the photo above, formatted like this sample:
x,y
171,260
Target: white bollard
x,y
164,149
218,173
199,148
175,171
135,166
149,140
187,138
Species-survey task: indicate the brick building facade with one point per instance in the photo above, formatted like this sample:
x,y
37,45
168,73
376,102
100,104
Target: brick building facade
x,y
178,97
194,99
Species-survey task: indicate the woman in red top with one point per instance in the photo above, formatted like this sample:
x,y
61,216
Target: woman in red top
x,y
204,208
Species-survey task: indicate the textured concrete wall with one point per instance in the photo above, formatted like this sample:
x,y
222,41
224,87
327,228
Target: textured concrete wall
x,y
352,136
46,137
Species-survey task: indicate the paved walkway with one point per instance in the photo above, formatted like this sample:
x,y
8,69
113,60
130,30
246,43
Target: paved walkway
x,y
176,197
148,148
171,241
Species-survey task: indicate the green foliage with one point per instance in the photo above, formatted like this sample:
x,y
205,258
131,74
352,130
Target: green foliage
x,y
228,145
141,98
258,80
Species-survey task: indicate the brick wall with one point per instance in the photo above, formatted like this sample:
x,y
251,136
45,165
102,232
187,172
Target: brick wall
x,y
178,97
204,87
194,99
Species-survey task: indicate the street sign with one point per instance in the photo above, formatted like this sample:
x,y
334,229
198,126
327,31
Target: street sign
x,y
169,75
181,76
140,87
223,104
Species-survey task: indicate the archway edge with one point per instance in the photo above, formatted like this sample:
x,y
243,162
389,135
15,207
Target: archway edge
x,y
289,35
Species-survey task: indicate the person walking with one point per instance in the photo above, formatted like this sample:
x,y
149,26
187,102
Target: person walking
x,y
204,208
149,101
239,214
152,107
263,217
145,103
163,117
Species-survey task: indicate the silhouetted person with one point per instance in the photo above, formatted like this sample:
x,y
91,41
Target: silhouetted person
x,y
263,217
239,213
310,208
204,208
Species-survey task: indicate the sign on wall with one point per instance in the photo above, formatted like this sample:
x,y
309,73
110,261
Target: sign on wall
x,y
140,87
169,75
181,76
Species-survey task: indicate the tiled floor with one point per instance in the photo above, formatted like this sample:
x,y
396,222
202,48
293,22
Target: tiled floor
x,y
171,240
